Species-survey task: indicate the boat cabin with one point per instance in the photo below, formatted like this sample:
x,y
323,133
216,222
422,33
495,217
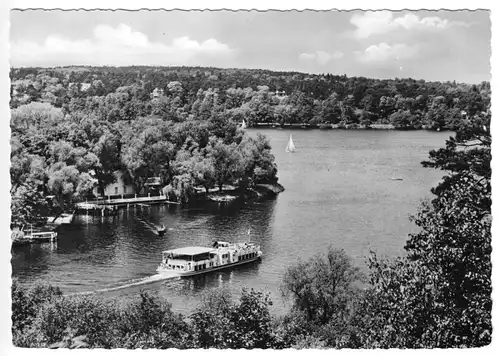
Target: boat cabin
x,y
189,258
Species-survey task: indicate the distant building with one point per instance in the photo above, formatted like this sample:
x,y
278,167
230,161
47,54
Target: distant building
x,y
122,186
280,93
153,184
157,92
83,86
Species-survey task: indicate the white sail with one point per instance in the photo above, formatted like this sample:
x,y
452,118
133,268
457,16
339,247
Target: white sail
x,y
243,125
290,147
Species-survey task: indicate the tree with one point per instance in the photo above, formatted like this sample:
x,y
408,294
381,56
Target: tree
x,y
34,115
67,183
212,320
219,322
28,206
257,160
331,111
147,149
148,322
386,106
435,118
26,303
323,286
466,154
455,236
348,115
226,161
190,160
400,309
402,119
440,294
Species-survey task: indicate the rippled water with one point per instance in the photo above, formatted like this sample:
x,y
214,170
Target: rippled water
x,y
338,191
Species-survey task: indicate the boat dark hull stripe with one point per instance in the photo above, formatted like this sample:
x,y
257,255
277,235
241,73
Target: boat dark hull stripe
x,y
210,269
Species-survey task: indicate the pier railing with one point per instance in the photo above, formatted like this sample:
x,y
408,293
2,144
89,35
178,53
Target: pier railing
x,y
92,204
42,236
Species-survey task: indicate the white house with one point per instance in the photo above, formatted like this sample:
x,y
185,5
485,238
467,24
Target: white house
x,y
120,187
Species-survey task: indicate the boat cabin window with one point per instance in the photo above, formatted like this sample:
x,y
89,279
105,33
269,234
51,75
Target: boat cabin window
x,y
201,257
196,258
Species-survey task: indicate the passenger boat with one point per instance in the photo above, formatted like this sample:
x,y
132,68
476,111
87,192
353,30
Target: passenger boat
x,y
190,261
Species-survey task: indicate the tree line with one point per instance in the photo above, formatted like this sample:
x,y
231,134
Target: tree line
x,y
257,96
437,296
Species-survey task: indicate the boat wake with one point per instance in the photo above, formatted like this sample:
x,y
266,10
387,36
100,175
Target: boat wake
x,y
151,226
132,283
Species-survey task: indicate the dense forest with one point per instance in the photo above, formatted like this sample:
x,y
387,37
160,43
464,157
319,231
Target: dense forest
x,y
257,96
73,127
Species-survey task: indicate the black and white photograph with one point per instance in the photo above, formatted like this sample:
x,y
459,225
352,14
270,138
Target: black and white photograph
x,y
249,179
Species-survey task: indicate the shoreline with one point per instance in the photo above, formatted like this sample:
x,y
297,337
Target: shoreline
x,y
375,127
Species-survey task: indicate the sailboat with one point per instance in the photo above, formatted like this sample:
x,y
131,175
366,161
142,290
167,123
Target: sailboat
x,y
290,147
243,125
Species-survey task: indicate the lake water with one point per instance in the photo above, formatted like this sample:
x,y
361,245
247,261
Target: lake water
x,y
338,192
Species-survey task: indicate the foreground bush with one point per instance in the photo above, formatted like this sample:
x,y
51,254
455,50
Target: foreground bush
x,y
42,317
219,322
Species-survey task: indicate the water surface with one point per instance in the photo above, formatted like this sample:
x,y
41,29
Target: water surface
x,y
338,192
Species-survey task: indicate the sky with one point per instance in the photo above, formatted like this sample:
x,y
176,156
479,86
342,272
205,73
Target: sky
x,y
430,45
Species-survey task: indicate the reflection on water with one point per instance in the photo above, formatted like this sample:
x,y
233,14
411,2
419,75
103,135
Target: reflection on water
x,y
338,192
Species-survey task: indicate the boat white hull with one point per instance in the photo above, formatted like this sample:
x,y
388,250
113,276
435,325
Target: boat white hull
x,y
162,270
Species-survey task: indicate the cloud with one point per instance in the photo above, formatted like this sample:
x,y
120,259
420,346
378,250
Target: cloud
x,y
385,52
372,23
321,57
118,46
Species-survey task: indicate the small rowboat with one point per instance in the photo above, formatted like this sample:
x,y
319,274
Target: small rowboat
x,y
161,230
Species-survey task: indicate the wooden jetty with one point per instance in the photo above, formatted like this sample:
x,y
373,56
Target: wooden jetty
x,y
48,236
111,206
63,218
36,237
